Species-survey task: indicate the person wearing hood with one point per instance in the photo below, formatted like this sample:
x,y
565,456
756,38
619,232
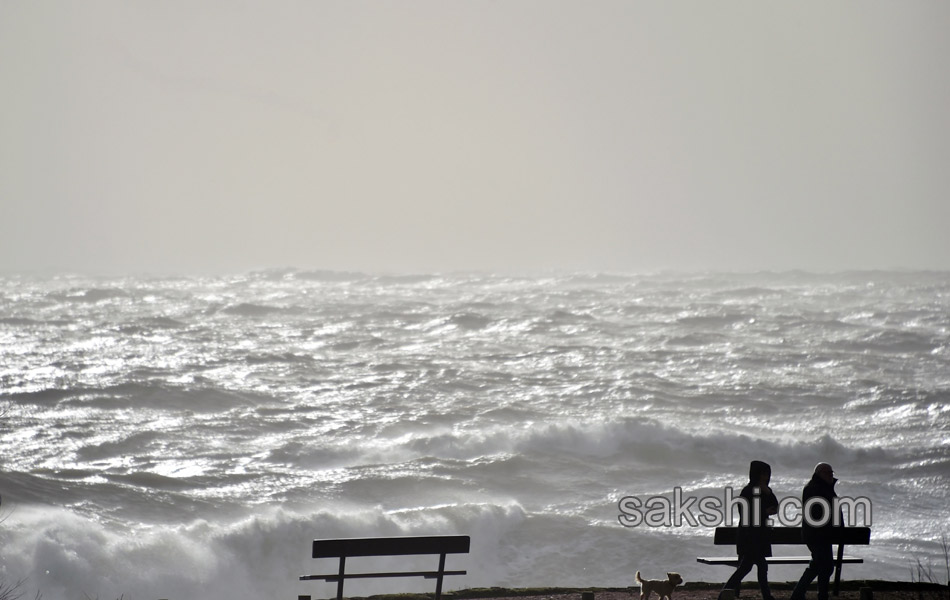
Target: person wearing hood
x,y
817,532
752,540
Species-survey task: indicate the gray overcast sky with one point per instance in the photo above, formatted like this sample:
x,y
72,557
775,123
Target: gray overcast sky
x,y
423,136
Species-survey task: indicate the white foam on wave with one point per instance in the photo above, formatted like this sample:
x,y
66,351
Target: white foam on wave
x,y
64,556
638,440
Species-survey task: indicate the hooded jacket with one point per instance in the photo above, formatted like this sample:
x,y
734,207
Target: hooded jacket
x,y
818,487
753,535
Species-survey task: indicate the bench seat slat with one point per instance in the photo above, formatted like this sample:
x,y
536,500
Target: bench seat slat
x,y
772,560
425,574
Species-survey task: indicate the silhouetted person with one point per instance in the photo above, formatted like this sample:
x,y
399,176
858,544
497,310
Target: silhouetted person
x,y
752,539
818,537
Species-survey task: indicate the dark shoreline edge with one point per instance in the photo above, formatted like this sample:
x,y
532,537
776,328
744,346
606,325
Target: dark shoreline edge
x,y
499,592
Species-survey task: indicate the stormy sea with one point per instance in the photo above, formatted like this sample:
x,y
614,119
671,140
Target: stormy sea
x,y
187,437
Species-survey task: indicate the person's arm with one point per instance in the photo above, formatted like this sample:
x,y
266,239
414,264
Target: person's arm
x,y
770,502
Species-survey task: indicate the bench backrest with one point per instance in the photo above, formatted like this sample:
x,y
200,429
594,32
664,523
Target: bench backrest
x,y
391,546
849,536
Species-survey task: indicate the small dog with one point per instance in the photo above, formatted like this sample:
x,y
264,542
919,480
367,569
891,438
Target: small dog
x,y
663,587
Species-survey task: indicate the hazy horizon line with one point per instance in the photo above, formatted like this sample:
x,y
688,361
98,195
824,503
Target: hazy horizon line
x,y
527,272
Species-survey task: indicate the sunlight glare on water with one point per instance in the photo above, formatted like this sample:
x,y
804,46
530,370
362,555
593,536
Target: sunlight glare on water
x,y
239,414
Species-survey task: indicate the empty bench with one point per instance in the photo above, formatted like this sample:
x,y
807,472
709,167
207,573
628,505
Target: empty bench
x,y
389,546
791,536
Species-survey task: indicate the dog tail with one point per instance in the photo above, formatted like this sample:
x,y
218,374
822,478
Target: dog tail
x,y
638,577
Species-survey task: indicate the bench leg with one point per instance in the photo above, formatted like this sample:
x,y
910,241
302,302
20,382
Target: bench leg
x,y
838,563
339,584
438,582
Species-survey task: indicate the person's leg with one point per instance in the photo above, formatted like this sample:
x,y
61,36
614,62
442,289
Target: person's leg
x,y
745,565
824,557
807,577
762,567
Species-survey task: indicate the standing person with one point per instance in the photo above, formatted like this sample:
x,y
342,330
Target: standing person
x,y
752,540
817,535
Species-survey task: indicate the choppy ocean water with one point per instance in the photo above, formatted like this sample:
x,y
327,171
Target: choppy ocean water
x,y
188,437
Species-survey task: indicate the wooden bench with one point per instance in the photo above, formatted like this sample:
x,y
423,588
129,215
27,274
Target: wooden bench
x,y
791,536
389,546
